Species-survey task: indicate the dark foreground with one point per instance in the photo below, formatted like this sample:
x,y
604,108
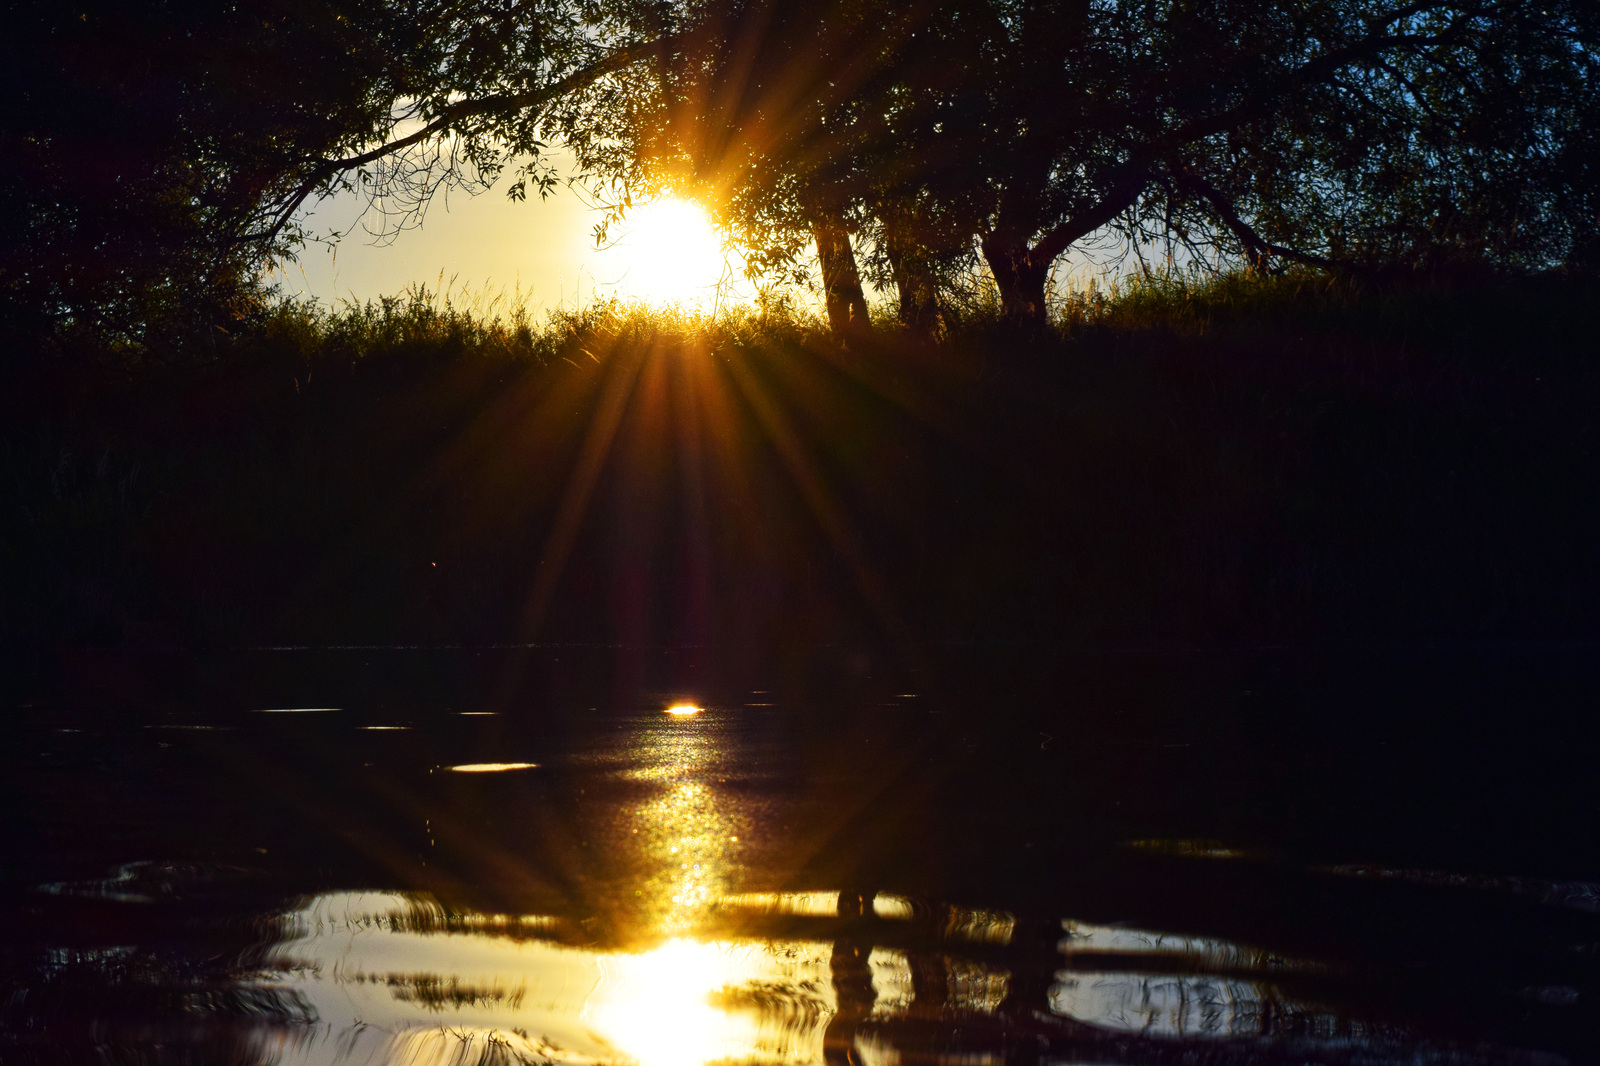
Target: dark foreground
x,y
1252,463
1018,855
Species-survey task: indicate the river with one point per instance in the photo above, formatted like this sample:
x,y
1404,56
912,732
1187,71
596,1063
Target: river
x,y
1023,854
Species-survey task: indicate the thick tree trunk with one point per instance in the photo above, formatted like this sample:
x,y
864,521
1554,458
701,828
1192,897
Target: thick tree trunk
x,y
1020,275
1021,267
841,281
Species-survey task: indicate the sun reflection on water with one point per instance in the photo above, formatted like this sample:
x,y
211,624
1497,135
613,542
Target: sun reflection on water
x,y
682,837
492,767
662,1007
400,965
378,974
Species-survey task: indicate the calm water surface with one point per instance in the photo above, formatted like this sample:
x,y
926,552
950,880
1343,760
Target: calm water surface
x,y
382,858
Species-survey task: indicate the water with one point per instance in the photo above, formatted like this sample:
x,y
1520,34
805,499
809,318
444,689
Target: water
x,y
393,857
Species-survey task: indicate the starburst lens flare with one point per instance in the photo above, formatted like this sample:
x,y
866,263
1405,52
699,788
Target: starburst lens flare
x,y
668,252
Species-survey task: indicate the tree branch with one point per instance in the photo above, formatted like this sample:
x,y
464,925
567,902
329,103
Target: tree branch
x,y
1256,248
1123,193
1324,68
1319,70
502,103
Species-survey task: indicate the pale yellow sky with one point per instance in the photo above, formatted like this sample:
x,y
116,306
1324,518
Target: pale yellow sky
x,y
487,244
543,250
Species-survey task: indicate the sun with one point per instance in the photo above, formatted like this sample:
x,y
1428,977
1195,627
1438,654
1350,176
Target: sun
x,y
668,252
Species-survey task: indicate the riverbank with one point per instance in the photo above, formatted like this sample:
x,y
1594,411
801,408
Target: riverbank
x,y
1242,461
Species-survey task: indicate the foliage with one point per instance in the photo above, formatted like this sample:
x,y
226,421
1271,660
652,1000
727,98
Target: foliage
x,y
157,153
141,139
1348,135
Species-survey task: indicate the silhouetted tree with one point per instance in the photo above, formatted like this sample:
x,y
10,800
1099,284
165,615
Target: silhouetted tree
x,y
141,139
154,154
1336,134
1356,134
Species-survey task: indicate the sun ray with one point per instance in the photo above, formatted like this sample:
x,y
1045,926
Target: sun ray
x,y
622,370
694,565
814,489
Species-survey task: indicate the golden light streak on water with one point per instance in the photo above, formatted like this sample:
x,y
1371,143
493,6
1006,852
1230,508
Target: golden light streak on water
x,y
491,767
684,835
805,904
297,710
399,980
662,1011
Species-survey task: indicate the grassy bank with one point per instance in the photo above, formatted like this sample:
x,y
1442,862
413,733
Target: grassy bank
x,y
1242,460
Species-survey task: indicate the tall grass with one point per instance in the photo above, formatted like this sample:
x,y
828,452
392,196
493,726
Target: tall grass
x,y
1509,318
1179,457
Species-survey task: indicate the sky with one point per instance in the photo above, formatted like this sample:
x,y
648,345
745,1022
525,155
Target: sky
x,y
541,251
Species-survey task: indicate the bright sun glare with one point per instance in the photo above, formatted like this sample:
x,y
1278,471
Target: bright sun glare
x,y
660,1011
668,252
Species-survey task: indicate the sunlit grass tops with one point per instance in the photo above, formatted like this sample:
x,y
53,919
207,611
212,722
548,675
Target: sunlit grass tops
x,y
445,323
501,325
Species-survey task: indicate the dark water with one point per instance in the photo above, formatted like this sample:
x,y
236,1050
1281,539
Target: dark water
x,y
1016,855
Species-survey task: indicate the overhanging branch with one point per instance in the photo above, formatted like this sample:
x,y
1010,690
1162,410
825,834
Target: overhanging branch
x,y
1124,191
1257,249
324,170
1135,173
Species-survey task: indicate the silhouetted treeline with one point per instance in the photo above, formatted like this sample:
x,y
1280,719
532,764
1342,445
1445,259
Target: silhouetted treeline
x,y
1250,460
157,153
1350,136
154,153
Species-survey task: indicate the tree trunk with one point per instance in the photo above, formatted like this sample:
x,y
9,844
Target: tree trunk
x,y
1020,265
841,282
1020,276
919,301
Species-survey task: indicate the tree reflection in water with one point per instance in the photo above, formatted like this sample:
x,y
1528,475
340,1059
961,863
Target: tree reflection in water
x,y
398,979
653,892
774,977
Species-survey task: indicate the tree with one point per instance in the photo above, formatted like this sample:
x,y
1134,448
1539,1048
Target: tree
x,y
1330,134
1345,134
157,153
1453,143
142,138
